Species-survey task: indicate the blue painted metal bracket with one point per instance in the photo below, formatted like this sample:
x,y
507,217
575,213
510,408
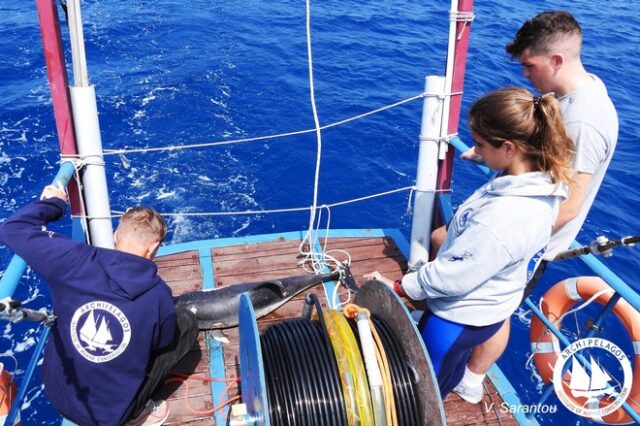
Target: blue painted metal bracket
x,y
446,207
509,396
206,268
217,372
612,279
17,403
17,266
253,383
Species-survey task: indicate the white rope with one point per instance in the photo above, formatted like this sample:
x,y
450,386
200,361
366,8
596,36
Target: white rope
x,y
261,138
318,131
585,304
465,17
118,213
77,166
462,16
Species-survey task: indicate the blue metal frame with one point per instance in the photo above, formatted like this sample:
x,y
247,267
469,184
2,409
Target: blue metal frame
x,y
17,403
17,266
253,383
8,284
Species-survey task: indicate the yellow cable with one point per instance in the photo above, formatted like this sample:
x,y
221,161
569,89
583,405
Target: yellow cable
x,y
389,398
353,375
351,311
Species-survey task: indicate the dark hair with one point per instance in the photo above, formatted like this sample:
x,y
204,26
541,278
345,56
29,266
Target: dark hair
x,y
540,33
533,123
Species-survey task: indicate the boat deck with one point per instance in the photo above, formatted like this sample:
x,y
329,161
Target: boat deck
x,y
191,268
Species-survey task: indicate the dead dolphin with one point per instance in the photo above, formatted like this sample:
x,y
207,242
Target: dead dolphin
x,y
219,308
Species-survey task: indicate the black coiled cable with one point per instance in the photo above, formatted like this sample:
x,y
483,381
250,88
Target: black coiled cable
x,y
402,378
303,386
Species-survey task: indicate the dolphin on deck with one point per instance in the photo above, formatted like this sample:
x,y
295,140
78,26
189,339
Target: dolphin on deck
x,y
218,308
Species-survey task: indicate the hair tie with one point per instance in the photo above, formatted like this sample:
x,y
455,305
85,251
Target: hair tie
x,y
537,100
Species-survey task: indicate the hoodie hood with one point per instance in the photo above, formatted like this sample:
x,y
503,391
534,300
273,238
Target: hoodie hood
x,y
531,184
129,275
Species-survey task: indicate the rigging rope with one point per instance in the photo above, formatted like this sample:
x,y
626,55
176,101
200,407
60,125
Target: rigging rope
x,y
310,255
118,213
260,138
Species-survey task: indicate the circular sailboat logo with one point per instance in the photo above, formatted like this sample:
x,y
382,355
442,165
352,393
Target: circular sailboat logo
x,y
100,331
590,390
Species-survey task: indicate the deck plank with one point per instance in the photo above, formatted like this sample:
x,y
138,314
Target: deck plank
x,y
270,260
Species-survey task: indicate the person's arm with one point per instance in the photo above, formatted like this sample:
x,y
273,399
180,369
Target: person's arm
x,y
25,234
570,207
437,239
473,257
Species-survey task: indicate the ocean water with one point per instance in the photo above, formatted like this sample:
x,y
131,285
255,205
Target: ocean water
x,y
175,73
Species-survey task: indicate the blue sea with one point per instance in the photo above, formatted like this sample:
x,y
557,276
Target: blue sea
x,y
174,73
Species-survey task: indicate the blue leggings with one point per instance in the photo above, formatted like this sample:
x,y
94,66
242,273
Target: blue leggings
x,y
449,345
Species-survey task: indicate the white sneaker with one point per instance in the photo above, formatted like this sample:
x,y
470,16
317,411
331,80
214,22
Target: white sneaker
x,y
154,413
472,395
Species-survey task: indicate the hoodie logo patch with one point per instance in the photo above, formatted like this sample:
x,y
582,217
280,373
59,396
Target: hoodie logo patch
x,y
464,256
100,331
464,218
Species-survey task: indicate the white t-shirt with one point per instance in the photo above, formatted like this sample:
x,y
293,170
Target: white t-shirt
x,y
592,123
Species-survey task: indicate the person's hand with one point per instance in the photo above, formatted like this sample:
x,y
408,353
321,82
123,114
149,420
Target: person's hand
x,y
57,191
375,275
395,286
470,154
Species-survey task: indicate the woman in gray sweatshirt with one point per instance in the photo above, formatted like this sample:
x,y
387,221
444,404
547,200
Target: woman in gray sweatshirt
x,y
499,234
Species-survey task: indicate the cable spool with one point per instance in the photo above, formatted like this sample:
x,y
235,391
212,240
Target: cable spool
x,y
303,380
306,383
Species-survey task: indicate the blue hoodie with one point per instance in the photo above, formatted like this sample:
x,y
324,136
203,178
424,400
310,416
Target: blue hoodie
x,y
113,312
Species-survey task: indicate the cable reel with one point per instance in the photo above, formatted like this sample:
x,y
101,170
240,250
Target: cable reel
x,y
312,370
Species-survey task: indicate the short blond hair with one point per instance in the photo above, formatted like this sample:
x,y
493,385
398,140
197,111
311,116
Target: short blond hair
x,y
143,222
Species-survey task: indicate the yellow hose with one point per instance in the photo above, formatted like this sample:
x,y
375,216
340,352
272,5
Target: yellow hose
x,y
351,311
353,375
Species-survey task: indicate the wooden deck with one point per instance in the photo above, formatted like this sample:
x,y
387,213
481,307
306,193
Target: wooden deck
x,y
191,401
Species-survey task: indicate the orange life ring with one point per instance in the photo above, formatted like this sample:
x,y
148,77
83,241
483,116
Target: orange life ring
x,y
545,346
7,394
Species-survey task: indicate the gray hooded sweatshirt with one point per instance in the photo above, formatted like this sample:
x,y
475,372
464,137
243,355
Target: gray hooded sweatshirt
x,y
494,243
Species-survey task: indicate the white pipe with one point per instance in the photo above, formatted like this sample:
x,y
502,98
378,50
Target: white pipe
x,y
87,127
451,50
76,36
94,178
427,174
373,369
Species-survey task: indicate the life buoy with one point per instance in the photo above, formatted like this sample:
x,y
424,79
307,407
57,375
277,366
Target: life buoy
x,y
545,346
7,395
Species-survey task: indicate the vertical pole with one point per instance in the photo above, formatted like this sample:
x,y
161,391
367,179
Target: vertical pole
x,y
456,60
87,127
57,75
427,169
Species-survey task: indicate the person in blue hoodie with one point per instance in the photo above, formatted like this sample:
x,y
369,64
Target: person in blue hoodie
x,y
498,235
117,334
